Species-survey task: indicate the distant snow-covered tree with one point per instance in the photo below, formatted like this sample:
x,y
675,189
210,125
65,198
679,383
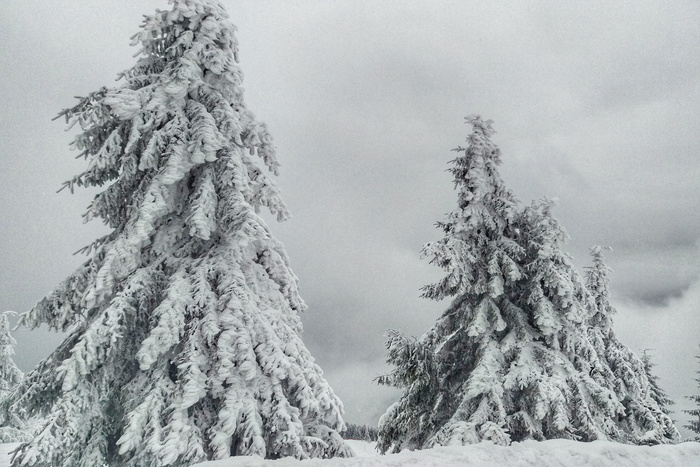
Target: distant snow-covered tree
x,y
646,417
598,283
657,393
694,422
184,329
361,432
10,375
510,358
11,431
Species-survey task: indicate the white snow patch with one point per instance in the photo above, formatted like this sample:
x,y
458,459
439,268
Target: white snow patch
x,y
5,450
363,448
552,453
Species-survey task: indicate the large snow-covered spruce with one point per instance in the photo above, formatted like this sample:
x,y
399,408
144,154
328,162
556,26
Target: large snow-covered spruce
x,y
184,324
510,358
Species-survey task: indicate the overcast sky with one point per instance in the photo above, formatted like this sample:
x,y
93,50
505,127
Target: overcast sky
x,y
596,103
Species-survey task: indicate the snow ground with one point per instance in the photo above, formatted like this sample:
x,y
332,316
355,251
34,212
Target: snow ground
x,y
5,450
553,453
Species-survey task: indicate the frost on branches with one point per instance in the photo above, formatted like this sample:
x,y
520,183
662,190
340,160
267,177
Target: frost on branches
x,y
646,418
694,422
184,323
10,375
11,430
511,358
656,391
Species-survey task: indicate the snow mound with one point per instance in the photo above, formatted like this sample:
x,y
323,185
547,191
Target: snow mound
x,y
6,453
552,453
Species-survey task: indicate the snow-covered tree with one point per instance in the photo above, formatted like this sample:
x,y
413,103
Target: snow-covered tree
x,y
657,393
482,261
694,422
10,376
598,283
510,358
499,363
361,432
646,417
184,329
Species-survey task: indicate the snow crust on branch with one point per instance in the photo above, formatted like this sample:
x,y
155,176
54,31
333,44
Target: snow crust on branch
x,y
11,430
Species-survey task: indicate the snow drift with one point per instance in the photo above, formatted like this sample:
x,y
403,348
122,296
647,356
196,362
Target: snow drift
x,y
527,453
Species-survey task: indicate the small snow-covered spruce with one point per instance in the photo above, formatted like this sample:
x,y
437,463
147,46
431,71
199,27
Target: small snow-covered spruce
x,y
10,375
694,422
510,359
360,432
452,372
184,330
657,393
646,417
11,430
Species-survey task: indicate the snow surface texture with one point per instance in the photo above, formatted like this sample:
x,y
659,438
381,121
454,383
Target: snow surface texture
x,y
528,453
